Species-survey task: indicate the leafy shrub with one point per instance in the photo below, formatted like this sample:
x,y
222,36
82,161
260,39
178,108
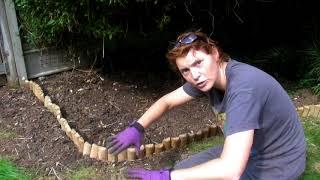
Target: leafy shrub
x,y
312,78
52,22
279,61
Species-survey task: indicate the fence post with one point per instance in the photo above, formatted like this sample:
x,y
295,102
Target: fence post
x,y
14,40
6,48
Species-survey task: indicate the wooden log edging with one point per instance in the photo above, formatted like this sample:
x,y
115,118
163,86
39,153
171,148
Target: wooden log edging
x,y
100,153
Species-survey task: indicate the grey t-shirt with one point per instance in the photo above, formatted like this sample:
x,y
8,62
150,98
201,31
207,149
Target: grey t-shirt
x,y
255,100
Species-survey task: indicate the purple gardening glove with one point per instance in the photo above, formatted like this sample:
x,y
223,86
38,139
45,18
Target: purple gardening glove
x,y
143,174
130,136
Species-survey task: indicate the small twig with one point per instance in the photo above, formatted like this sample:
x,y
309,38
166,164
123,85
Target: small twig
x,y
107,125
239,18
84,71
114,105
187,9
94,62
57,138
236,4
103,48
16,151
84,130
22,99
212,23
55,173
58,163
24,138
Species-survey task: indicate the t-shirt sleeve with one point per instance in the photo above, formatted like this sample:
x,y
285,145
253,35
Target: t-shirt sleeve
x,y
191,90
242,113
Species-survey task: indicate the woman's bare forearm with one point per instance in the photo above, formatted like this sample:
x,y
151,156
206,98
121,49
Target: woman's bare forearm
x,y
164,104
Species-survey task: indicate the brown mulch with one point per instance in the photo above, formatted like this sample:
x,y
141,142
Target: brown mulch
x,y
99,107
37,141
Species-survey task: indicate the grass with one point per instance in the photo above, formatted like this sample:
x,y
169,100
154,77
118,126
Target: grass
x,y
205,144
312,131
83,173
90,173
9,171
5,135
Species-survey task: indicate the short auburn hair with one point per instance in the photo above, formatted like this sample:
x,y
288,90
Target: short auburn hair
x,y
201,42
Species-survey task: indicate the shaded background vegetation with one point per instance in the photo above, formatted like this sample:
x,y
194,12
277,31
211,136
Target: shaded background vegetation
x,y
279,36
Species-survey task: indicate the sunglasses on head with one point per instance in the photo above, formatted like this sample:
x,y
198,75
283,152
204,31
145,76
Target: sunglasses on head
x,y
188,39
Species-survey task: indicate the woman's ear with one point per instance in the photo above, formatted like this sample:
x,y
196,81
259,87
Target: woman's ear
x,y
215,54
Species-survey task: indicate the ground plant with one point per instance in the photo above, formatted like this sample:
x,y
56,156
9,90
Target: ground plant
x,y
311,128
9,171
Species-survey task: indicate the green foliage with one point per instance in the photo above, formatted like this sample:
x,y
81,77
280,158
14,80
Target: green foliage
x,y
312,78
286,62
8,171
279,61
311,128
163,22
50,22
67,22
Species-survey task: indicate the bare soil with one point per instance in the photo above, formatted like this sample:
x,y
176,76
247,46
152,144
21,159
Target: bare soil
x,y
96,106
99,107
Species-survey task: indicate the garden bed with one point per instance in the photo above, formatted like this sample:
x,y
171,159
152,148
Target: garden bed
x,y
99,107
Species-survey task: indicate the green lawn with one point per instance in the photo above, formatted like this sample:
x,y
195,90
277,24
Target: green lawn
x,y
8,171
205,144
312,131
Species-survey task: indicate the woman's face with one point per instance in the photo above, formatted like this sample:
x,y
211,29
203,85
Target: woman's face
x,y
200,69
